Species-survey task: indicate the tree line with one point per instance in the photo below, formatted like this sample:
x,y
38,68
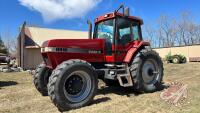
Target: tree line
x,y
170,31
8,43
3,48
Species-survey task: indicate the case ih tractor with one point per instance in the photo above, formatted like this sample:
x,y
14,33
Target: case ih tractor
x,y
115,53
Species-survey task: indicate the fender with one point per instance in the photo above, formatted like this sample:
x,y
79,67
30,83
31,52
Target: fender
x,y
132,51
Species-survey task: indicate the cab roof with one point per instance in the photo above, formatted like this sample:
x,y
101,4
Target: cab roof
x,y
113,15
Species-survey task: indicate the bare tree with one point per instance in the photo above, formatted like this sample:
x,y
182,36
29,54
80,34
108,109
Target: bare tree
x,y
167,30
174,32
197,33
160,38
186,29
191,33
10,41
151,33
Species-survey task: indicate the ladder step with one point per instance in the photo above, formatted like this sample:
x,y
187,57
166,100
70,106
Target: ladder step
x,y
125,80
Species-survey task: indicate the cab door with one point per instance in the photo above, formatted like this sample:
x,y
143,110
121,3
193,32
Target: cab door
x,y
128,31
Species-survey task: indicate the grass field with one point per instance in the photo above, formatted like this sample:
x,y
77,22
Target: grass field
x,y
18,95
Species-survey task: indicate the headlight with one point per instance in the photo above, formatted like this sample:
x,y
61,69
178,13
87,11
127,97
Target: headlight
x,y
48,49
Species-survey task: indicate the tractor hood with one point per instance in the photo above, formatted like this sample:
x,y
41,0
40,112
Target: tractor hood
x,y
73,45
56,51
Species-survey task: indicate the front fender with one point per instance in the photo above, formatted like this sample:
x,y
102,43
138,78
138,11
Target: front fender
x,y
132,51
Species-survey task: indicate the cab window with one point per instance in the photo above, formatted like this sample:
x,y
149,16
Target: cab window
x,y
127,31
135,31
124,31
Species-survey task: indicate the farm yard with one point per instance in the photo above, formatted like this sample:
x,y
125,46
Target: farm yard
x,y
18,95
56,47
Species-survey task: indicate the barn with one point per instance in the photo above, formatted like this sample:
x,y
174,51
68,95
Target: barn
x,y
30,40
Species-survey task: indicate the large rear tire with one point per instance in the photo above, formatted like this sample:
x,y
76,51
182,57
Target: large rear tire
x,y
41,78
73,84
184,60
147,71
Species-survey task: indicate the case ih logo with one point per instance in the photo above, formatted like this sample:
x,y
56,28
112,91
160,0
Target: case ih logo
x,y
94,51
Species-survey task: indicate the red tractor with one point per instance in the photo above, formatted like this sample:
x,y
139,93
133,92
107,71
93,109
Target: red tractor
x,y
116,53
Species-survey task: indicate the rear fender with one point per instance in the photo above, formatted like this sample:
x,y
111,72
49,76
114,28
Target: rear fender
x,y
133,51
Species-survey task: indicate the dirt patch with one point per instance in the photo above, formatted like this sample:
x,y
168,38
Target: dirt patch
x,y
18,95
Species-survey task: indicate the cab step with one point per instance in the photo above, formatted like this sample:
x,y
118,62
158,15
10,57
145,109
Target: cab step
x,y
125,80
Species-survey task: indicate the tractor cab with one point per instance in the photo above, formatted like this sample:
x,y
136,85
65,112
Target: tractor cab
x,y
120,31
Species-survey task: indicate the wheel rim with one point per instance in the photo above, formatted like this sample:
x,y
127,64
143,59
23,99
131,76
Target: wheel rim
x,y
150,72
175,60
77,86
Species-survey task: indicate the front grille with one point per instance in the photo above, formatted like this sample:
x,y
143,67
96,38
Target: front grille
x,y
61,49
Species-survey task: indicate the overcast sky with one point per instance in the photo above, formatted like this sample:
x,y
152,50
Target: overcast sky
x,y
73,14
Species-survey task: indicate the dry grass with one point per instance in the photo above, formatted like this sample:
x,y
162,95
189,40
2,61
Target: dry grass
x,y
18,95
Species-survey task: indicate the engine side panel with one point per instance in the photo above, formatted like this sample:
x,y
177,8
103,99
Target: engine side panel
x,y
90,50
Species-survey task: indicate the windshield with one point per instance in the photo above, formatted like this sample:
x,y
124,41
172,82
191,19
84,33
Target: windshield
x,y
105,30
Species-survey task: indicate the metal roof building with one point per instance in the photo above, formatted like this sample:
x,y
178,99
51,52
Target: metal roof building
x,y
191,52
30,40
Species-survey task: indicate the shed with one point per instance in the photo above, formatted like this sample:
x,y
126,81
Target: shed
x,y
30,40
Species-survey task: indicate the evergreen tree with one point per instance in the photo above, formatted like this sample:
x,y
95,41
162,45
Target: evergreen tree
x,y
3,49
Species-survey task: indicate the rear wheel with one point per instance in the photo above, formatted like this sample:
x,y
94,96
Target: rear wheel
x,y
147,71
184,60
41,78
176,59
73,84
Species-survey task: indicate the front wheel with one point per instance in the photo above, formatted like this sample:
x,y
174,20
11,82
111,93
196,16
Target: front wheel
x,y
147,71
41,78
73,84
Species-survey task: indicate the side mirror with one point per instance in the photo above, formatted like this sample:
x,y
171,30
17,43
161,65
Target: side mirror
x,y
126,12
89,29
